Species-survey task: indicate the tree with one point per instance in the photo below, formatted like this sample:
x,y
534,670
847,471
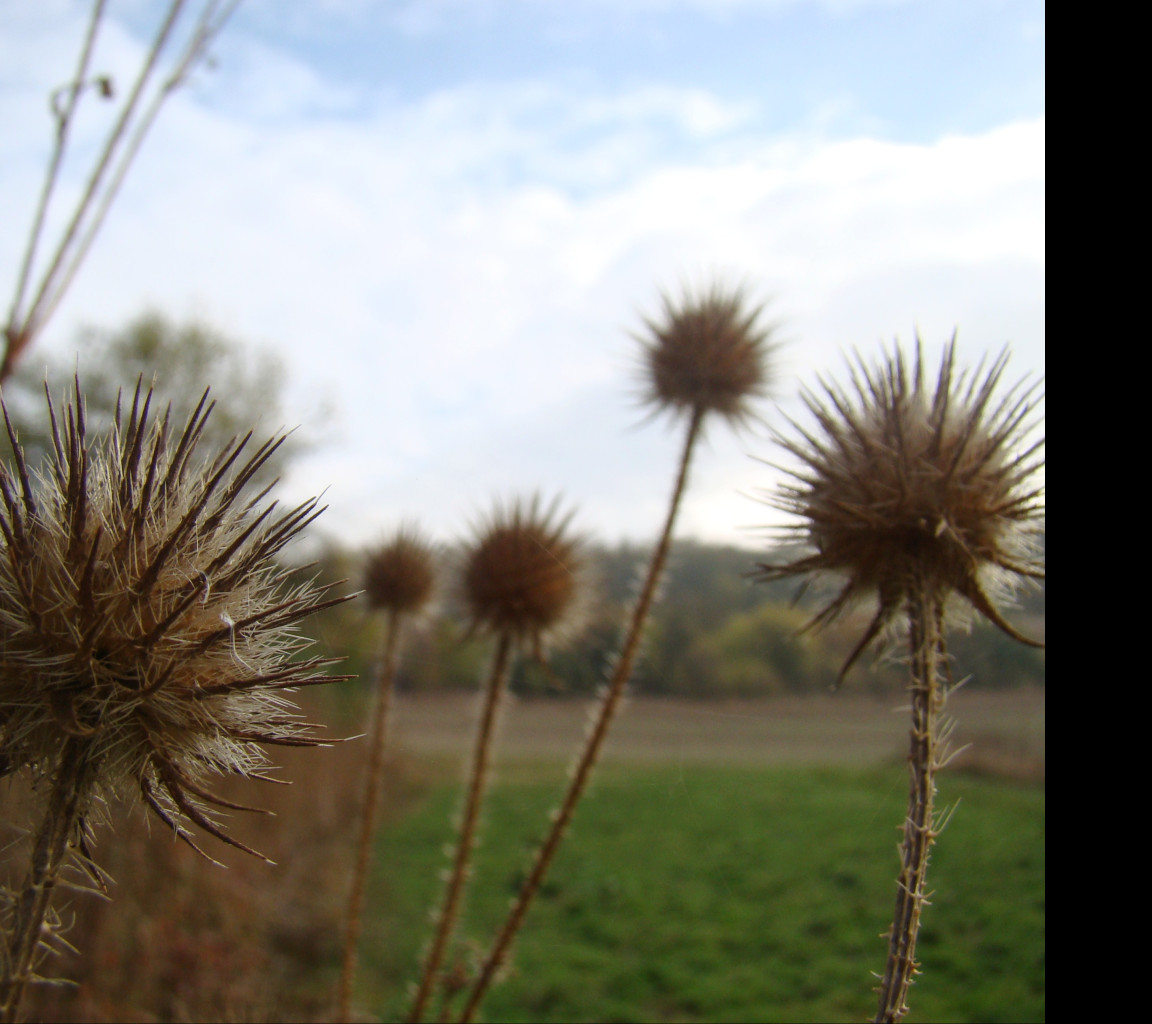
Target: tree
x,y
183,360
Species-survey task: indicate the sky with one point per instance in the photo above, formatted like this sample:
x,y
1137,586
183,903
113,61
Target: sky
x,y
449,218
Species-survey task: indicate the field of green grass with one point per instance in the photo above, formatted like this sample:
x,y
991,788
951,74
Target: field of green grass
x,y
733,862
704,891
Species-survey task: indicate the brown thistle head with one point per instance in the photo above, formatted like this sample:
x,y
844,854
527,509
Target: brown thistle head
x,y
706,354
522,573
905,484
401,573
143,615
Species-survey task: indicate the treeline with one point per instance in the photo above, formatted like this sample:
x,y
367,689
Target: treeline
x,y
715,633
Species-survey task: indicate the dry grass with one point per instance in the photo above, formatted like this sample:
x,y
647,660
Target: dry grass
x,y
841,728
184,940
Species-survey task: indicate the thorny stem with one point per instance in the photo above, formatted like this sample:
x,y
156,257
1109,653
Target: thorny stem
x,y
467,840
31,325
63,123
61,822
98,195
928,660
373,784
589,756
201,36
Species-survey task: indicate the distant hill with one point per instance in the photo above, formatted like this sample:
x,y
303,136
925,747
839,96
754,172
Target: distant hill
x,y
715,632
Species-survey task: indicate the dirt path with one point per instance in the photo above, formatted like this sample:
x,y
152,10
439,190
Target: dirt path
x,y
838,728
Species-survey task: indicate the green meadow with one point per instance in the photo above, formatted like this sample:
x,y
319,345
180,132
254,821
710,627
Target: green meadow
x,y
695,892
732,862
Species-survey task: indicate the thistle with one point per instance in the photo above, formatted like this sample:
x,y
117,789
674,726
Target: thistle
x,y
398,580
918,498
147,638
520,583
400,575
708,355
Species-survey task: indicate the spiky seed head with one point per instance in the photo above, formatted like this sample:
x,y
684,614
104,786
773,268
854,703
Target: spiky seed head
x,y
400,574
905,484
707,354
144,616
522,572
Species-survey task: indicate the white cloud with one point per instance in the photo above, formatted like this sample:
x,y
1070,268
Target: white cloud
x,y
421,17
461,273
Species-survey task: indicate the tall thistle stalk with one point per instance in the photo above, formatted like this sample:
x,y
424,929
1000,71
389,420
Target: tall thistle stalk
x,y
927,659
115,157
30,924
449,911
521,579
706,356
147,637
916,496
398,580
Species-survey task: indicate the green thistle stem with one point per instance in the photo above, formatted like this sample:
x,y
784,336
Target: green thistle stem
x,y
370,809
62,820
450,909
928,657
595,742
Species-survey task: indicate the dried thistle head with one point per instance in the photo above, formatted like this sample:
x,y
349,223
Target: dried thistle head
x,y
522,572
143,616
400,574
907,485
707,354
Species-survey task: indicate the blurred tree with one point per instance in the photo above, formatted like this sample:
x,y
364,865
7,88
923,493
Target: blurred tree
x,y
713,635
182,359
992,660
761,652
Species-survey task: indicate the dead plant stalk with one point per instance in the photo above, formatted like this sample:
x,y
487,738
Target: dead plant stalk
x,y
63,820
370,808
927,752
477,784
591,753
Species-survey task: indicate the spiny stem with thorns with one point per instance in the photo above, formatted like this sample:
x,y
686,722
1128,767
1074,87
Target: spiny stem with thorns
x,y
62,822
591,752
117,154
195,50
477,784
63,124
925,608
373,784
